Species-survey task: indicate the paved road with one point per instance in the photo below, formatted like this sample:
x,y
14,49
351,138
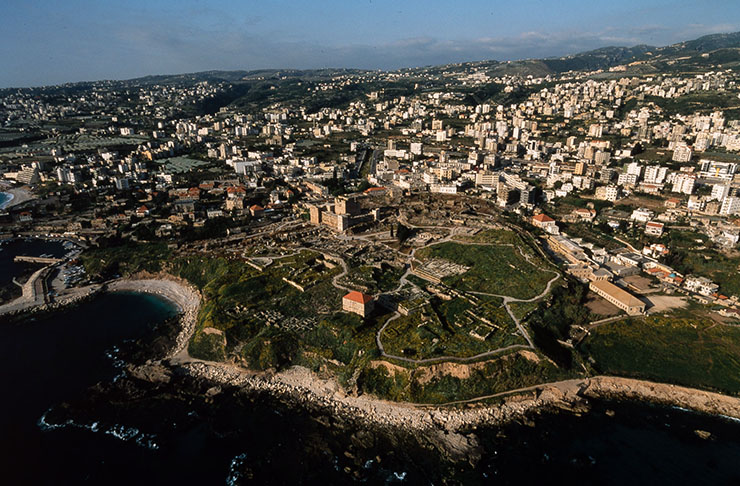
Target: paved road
x,y
33,293
575,384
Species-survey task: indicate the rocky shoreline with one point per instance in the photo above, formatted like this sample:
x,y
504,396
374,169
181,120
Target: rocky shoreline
x,y
451,427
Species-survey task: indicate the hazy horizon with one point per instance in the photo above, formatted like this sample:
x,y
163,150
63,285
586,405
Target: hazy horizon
x,y
82,40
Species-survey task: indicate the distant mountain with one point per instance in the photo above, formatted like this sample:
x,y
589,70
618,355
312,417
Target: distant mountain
x,y
602,58
701,45
608,57
214,76
690,56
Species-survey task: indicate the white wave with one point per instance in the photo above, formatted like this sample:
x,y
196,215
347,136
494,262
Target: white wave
x,y
121,432
235,473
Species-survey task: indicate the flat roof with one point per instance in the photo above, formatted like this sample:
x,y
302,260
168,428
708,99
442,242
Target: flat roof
x,y
617,293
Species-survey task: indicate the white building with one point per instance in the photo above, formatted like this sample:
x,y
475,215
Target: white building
x,y
635,169
720,192
711,169
642,215
730,206
684,183
607,193
682,153
655,174
627,180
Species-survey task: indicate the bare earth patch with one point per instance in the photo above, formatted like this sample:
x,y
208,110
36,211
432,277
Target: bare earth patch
x,y
529,355
601,307
665,303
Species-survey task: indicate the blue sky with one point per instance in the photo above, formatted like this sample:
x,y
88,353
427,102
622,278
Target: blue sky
x,y
48,42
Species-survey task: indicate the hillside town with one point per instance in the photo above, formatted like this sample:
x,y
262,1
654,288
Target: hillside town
x,y
595,162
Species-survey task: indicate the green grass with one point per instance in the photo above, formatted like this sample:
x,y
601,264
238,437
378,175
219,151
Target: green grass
x,y
125,259
425,385
500,270
522,309
685,351
443,328
373,280
723,270
235,294
492,236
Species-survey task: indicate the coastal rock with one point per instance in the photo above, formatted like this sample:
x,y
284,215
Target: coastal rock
x,y
154,373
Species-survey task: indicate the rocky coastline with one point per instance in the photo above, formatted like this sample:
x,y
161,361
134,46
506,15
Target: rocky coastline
x,y
451,425
448,428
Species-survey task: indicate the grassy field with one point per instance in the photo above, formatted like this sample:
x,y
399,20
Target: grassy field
x,y
446,383
124,260
492,236
257,310
522,309
674,349
500,270
449,328
373,280
723,270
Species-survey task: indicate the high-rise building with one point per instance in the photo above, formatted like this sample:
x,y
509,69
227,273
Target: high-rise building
x,y
682,152
684,183
720,192
730,206
655,174
580,169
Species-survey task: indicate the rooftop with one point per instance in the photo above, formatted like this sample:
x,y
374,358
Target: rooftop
x,y
358,297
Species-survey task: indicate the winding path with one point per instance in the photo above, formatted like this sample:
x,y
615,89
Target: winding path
x,y
505,298
404,281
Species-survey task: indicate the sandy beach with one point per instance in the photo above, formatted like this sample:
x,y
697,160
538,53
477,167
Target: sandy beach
x,y
19,195
179,293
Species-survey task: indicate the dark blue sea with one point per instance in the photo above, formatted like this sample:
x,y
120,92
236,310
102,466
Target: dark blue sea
x,y
4,199
27,247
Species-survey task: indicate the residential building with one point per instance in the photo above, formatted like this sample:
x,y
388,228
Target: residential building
x,y
546,223
730,206
607,193
682,152
654,228
684,183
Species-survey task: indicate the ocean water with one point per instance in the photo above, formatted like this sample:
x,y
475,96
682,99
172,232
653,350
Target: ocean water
x,y
59,427
5,198
30,246
48,360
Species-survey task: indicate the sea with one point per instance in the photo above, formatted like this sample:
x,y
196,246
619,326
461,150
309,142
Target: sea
x,y
11,248
5,198
70,414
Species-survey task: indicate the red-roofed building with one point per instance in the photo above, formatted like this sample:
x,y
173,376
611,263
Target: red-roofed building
x,y
358,303
256,210
654,228
25,217
672,202
546,223
235,191
375,190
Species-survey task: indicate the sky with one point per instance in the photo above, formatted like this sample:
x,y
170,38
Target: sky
x,y
45,42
